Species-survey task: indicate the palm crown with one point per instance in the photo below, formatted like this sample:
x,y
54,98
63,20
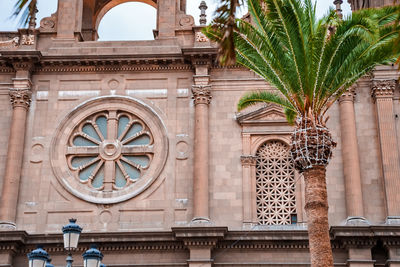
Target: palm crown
x,y
310,61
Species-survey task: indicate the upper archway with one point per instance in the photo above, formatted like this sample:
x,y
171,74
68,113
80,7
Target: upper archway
x,y
103,6
131,21
170,16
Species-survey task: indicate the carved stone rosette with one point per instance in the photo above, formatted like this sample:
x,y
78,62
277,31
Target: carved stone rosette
x,y
248,160
201,94
20,97
383,88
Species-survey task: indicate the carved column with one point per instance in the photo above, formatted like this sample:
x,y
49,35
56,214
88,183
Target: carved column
x,y
202,98
20,96
248,165
382,93
351,159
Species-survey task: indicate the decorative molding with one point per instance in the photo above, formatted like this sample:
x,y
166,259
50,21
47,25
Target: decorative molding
x,y
266,115
22,65
14,42
49,24
27,39
201,37
201,94
270,245
20,97
349,94
200,243
186,21
248,160
383,88
110,68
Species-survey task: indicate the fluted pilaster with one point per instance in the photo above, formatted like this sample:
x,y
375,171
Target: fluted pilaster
x,y
249,165
202,98
350,155
20,97
382,93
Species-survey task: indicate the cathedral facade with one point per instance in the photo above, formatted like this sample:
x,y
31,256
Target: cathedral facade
x,y
140,141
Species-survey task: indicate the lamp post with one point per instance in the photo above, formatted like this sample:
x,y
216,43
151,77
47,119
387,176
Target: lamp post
x,y
38,257
71,232
92,257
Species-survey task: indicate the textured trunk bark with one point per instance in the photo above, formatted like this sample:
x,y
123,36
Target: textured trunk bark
x,y
316,207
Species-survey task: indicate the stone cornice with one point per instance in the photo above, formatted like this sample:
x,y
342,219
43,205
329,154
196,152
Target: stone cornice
x,y
111,68
220,237
383,88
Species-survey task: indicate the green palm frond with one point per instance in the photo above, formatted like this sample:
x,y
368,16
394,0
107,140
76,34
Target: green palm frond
x,y
25,9
256,97
310,61
225,25
263,96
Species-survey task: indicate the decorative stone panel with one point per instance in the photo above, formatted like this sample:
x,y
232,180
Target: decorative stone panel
x,y
275,184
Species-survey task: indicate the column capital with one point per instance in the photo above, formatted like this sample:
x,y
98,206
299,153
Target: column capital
x,y
383,88
201,94
248,160
349,94
20,97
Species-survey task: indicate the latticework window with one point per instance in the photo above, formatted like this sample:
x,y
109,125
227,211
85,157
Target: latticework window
x,y
275,184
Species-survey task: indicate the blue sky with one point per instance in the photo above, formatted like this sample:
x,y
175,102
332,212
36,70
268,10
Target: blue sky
x,y
132,20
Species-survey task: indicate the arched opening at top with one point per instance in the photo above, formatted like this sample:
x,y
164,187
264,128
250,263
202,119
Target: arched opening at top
x,y
127,21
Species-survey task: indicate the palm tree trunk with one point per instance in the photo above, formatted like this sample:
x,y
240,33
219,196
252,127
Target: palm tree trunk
x,y
311,150
316,207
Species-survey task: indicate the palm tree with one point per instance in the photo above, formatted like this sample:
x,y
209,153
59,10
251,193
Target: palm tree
x,y
311,63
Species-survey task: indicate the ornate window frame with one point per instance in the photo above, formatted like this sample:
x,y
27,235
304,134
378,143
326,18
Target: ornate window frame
x,y
262,125
62,139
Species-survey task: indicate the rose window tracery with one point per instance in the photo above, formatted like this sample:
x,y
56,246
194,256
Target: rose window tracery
x,y
110,150
275,184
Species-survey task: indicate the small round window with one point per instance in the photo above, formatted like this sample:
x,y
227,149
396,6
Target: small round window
x,y
114,150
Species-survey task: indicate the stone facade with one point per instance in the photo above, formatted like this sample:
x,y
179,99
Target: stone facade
x,y
141,142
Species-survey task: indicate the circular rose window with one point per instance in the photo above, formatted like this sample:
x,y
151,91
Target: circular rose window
x,y
109,149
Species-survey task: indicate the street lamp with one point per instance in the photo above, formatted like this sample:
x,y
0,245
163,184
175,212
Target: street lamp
x,y
71,234
48,263
92,257
38,257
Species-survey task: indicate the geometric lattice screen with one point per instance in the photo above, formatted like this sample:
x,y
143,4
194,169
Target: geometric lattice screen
x,y
275,184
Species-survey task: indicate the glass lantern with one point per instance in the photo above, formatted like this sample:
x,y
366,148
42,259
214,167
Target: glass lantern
x,y
71,234
38,257
48,263
92,257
